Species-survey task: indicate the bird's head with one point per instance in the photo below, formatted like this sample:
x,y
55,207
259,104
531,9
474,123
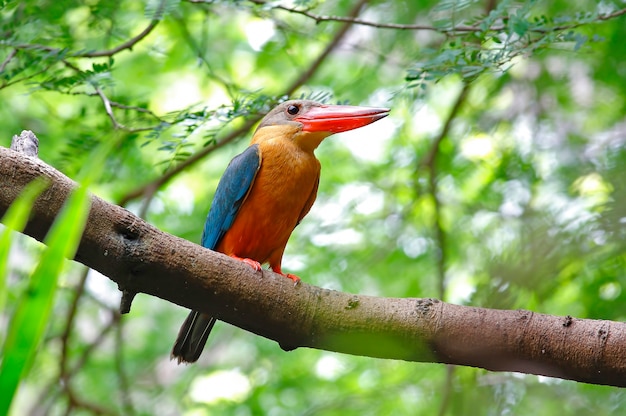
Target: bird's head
x,y
308,122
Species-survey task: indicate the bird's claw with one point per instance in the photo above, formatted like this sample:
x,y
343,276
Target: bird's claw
x,y
296,279
257,266
252,263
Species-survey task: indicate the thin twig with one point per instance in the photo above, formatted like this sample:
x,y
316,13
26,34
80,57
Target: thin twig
x,y
8,59
314,66
130,43
447,390
108,109
24,78
157,183
398,26
115,104
601,17
54,388
431,163
200,53
135,108
69,323
356,21
124,385
318,19
430,157
100,338
74,402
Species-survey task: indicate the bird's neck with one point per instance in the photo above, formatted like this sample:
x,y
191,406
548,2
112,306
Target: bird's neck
x,y
306,141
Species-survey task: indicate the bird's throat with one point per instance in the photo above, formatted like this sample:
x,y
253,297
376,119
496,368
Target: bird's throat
x,y
290,133
308,141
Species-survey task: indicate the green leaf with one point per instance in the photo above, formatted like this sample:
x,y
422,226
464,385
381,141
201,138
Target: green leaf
x,y
27,325
15,220
157,9
29,322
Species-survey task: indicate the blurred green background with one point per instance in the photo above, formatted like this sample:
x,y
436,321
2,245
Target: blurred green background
x,y
499,180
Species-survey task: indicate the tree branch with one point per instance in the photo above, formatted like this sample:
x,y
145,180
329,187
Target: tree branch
x,y
126,45
140,258
429,159
398,26
152,186
357,21
129,44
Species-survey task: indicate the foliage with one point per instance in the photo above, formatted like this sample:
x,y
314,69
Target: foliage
x,y
15,220
33,312
498,181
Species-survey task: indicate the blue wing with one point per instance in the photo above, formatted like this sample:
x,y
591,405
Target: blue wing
x,y
231,191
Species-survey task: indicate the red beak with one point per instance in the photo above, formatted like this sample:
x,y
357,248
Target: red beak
x,y
338,118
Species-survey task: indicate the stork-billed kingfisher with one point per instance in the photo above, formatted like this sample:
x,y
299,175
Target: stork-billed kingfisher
x,y
265,192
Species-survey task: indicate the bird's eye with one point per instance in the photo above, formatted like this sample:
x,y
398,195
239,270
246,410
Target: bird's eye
x,y
293,109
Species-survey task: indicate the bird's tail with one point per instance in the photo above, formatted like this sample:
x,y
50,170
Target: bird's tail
x,y
192,337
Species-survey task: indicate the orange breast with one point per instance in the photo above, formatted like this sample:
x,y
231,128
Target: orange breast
x,y
282,193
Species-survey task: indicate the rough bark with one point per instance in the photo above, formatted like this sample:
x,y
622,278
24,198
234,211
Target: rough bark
x,y
142,259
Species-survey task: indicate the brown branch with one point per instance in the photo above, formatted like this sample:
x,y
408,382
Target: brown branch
x,y
143,259
432,154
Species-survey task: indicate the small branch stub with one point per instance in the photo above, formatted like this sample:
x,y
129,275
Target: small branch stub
x,y
26,143
126,301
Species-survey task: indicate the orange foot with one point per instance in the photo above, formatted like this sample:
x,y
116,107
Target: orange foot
x,y
293,277
252,263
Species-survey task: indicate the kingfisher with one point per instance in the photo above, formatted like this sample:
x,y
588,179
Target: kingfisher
x,y
265,192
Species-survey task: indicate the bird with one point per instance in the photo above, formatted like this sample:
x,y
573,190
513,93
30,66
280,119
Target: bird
x,y
265,192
